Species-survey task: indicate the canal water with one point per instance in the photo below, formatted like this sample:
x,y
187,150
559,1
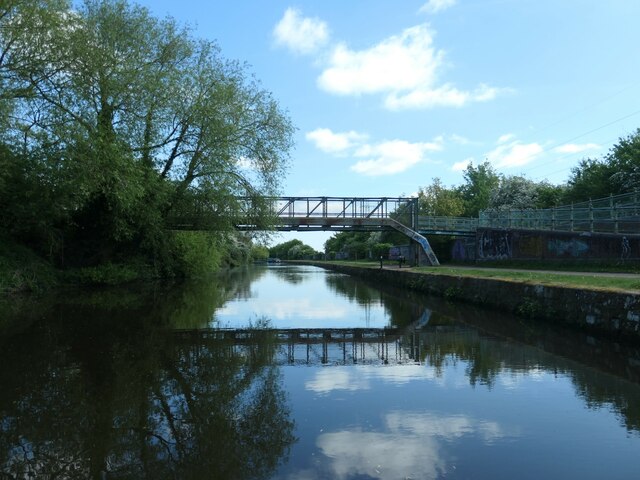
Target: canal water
x,y
294,372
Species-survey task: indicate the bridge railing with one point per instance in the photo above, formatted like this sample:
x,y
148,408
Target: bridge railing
x,y
447,224
337,207
282,208
615,214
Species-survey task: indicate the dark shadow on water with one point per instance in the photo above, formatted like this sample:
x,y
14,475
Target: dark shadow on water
x,y
103,389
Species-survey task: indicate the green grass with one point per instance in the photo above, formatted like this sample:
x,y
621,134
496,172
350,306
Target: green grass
x,y
582,280
564,265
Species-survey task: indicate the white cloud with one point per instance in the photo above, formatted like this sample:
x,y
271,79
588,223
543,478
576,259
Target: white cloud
x,y
459,139
404,68
462,165
435,6
299,34
512,153
505,138
330,142
374,158
393,156
576,148
397,63
444,96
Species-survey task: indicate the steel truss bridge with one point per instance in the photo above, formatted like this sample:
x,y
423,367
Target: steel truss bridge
x,y
325,214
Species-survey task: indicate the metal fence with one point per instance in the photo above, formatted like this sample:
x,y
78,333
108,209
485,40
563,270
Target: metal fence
x,y
447,225
614,214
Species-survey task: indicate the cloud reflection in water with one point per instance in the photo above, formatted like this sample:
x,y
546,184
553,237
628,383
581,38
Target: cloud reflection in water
x,y
359,378
410,448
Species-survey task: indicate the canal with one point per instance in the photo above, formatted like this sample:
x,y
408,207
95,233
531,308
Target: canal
x,y
294,372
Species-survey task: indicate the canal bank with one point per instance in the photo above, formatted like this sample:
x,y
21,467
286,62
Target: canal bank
x,y
609,312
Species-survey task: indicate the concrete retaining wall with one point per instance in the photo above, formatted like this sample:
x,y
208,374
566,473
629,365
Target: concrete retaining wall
x,y
607,312
504,244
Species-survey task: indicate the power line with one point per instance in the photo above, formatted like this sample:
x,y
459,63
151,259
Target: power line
x,y
588,107
566,142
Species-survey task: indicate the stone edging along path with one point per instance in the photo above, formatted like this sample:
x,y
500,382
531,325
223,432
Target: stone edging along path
x,y
609,312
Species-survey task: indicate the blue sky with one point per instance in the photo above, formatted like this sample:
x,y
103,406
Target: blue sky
x,y
388,95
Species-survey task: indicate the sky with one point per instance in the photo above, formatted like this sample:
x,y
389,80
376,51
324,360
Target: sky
x,y
387,95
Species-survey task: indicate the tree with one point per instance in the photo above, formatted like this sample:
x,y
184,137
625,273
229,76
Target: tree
x,y
479,183
590,179
549,195
624,159
438,200
513,193
616,173
293,250
129,122
355,244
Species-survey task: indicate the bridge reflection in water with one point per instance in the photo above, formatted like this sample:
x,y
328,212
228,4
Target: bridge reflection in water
x,y
318,346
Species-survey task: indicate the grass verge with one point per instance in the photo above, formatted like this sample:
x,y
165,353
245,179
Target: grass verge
x,y
592,280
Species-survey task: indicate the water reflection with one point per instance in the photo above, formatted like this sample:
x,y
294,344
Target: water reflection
x,y
372,382
123,397
420,435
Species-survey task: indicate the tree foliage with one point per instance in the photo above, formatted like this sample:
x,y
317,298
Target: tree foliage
x,y
519,193
616,173
479,184
292,250
438,200
116,122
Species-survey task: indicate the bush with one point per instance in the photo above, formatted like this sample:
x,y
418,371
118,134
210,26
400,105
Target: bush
x,y
106,274
198,253
21,270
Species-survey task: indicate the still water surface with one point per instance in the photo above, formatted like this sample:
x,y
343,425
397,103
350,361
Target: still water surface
x,y
339,379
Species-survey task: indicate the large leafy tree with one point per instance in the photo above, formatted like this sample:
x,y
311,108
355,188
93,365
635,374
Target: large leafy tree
x,y
624,159
128,120
515,192
616,173
438,200
479,184
591,178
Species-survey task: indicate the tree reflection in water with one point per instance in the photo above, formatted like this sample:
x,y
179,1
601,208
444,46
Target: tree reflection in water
x,y
101,386
110,396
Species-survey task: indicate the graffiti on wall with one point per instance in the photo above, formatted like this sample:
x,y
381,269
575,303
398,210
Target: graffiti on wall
x,y
494,245
564,248
459,252
530,246
626,248
508,244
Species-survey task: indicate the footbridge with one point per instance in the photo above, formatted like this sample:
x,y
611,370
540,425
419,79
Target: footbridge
x,y
615,214
307,214
351,213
